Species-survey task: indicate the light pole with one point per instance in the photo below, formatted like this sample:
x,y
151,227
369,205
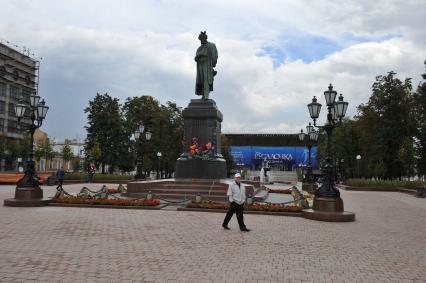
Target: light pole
x,y
139,156
28,191
301,137
358,160
159,154
312,137
328,206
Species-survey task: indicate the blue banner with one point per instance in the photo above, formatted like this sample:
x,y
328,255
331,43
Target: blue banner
x,y
287,157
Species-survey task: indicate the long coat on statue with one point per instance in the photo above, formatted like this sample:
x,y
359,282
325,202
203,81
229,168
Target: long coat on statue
x,y
206,59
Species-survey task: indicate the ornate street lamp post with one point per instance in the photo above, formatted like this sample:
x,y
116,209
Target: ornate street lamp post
x,y
139,156
28,191
328,206
159,154
312,137
358,160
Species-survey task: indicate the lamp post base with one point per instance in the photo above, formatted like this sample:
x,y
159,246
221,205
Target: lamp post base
x,y
328,209
27,196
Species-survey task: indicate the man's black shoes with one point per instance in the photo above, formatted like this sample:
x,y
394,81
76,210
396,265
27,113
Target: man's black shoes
x,y
226,227
245,230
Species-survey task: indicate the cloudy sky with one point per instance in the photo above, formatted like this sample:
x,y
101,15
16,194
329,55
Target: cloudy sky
x,y
273,55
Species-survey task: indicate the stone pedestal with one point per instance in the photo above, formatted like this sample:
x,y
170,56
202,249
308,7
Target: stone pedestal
x,y
27,196
328,209
202,120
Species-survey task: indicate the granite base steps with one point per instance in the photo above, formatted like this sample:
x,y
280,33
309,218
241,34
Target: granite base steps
x,y
181,189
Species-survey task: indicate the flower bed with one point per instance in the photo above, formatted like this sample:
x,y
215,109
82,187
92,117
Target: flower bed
x,y
254,207
119,202
208,204
275,207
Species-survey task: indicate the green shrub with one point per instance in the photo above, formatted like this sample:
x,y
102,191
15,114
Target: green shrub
x,y
383,183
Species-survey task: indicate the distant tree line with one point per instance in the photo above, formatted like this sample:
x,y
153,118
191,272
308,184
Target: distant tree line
x,y
388,132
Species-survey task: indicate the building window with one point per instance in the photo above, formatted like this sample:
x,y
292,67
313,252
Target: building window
x,y
26,95
14,91
27,79
2,107
2,89
1,125
11,109
2,71
15,75
12,126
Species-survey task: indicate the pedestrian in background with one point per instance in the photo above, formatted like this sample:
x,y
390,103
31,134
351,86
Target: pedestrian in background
x,y
90,172
60,175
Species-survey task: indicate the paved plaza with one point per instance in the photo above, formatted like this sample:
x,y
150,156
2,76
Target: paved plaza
x,y
386,243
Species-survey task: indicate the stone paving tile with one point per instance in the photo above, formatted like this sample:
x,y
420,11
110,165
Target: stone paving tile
x,y
387,243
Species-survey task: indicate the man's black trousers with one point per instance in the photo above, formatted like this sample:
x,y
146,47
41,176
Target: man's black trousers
x,y
238,209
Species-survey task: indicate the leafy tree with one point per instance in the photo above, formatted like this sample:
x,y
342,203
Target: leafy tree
x,y
420,116
166,125
385,122
67,154
379,169
144,110
345,145
94,153
107,128
171,135
406,156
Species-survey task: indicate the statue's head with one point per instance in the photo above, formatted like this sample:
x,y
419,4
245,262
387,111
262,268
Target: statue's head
x,y
203,37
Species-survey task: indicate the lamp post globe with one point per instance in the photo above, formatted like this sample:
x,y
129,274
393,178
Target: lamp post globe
x,y
314,109
341,107
301,136
309,128
330,95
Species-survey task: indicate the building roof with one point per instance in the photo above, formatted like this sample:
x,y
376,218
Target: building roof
x,y
264,140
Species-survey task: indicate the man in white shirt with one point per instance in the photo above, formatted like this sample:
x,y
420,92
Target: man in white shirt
x,y
236,196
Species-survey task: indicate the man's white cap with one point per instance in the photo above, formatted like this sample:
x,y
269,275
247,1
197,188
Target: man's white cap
x,y
238,175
